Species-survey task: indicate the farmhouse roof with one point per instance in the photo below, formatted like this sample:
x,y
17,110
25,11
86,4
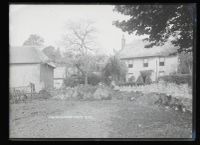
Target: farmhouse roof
x,y
28,54
136,49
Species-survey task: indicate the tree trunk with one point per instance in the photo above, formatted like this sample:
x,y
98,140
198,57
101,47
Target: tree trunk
x,y
190,70
86,79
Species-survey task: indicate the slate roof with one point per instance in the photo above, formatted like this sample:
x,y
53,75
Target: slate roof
x,y
28,54
137,49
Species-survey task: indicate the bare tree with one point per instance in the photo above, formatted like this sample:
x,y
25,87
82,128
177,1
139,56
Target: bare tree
x,y
80,41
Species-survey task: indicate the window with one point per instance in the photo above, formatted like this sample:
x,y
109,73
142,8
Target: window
x,y
145,64
130,65
161,61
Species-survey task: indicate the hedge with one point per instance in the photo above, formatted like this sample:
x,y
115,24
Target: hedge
x,y
177,79
126,84
72,81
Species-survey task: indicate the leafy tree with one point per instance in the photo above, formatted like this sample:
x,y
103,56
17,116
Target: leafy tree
x,y
115,69
99,62
79,42
34,40
159,23
52,53
185,63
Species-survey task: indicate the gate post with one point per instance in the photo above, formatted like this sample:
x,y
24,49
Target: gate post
x,y
31,89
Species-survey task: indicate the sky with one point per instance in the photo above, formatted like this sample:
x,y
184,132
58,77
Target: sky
x,y
49,22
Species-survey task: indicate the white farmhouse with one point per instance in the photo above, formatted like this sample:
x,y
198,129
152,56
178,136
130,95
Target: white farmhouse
x,y
161,60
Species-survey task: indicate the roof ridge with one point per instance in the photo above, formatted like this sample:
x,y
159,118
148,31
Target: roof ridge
x,y
43,58
137,49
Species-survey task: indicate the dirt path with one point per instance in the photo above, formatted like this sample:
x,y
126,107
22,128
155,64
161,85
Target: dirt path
x,y
84,121
97,119
76,120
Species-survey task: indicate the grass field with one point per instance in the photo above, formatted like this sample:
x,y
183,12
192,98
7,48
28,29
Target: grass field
x,y
97,119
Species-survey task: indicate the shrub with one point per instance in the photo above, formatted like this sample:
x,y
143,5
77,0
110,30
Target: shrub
x,y
102,94
69,82
178,79
126,84
115,68
94,79
140,80
73,81
44,94
148,80
106,80
131,79
145,74
86,88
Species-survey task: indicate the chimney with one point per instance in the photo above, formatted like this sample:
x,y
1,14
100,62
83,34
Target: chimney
x,y
123,42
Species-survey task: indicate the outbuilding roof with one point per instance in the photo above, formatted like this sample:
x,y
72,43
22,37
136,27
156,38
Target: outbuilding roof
x,y
137,49
28,54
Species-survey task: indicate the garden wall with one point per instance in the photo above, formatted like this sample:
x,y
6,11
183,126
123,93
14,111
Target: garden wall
x,y
177,96
172,89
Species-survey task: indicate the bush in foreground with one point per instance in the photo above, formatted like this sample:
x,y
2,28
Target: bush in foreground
x,y
44,94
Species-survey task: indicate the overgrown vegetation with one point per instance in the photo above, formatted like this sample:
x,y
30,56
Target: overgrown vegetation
x,y
140,80
177,79
185,63
115,69
131,79
144,77
94,79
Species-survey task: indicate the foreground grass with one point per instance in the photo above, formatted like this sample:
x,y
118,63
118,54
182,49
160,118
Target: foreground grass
x,y
137,121
111,119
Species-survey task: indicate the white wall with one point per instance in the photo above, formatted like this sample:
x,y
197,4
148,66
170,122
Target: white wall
x,y
171,64
23,74
58,83
46,75
59,72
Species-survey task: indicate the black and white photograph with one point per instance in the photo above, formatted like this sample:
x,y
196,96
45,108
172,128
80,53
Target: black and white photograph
x,y
118,71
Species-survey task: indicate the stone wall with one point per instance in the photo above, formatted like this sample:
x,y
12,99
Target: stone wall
x,y
172,89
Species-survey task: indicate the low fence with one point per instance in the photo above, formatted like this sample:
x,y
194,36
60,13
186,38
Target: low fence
x,y
168,88
22,93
